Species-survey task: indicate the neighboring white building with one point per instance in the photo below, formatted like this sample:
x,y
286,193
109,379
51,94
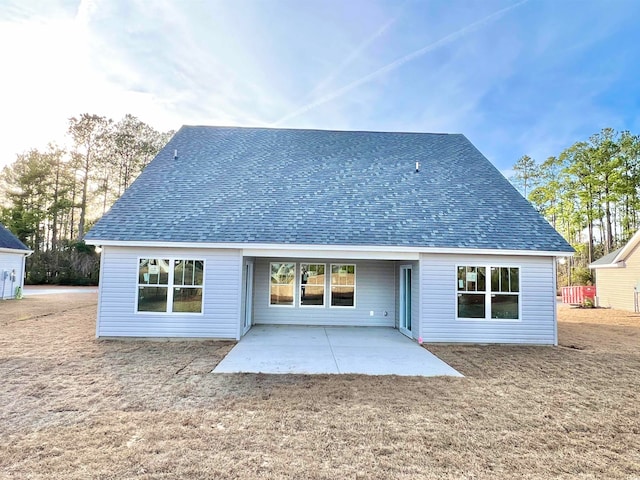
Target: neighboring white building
x,y
231,227
12,260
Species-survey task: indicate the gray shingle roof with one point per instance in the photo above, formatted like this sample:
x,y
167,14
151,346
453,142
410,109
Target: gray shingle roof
x,y
9,240
606,260
284,186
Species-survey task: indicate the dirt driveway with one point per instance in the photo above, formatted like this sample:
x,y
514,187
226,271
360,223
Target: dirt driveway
x,y
74,407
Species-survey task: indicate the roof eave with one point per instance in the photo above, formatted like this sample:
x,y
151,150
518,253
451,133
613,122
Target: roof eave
x,y
608,265
307,247
16,250
628,248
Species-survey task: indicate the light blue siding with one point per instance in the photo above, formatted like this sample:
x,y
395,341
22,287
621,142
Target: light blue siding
x,y
221,296
434,298
10,262
375,292
439,300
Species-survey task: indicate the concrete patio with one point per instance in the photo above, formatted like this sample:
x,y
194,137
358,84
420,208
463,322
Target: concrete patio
x,y
322,350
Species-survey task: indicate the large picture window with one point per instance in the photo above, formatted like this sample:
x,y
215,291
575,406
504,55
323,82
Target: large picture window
x,y
312,281
282,285
173,286
495,298
343,285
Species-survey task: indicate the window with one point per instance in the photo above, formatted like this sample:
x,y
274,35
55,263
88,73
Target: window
x,y
153,284
312,281
471,292
283,277
166,285
505,289
187,285
343,285
497,298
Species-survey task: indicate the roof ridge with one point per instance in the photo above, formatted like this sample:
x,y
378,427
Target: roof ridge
x,y
330,130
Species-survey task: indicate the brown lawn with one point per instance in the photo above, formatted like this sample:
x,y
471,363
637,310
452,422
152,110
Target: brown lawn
x,y
74,407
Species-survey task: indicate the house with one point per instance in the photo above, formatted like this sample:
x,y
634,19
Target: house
x,y
13,254
231,227
618,276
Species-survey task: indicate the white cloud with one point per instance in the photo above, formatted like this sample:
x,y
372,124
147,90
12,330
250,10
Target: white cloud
x,y
353,56
99,62
440,43
515,81
43,81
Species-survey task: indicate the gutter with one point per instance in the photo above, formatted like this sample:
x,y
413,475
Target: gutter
x,y
26,253
287,247
608,265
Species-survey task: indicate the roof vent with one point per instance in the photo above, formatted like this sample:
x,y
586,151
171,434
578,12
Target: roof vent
x,y
175,154
417,167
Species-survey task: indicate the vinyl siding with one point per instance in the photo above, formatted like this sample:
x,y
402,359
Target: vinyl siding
x,y
8,263
375,291
438,302
117,315
614,286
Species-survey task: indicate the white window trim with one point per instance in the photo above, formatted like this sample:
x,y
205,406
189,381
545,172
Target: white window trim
x,y
295,286
355,283
170,286
299,290
488,293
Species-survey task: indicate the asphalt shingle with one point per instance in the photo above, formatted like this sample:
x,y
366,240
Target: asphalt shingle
x,y
9,240
285,186
607,259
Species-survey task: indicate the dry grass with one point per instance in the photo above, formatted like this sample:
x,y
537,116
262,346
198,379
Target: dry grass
x,y
73,407
45,306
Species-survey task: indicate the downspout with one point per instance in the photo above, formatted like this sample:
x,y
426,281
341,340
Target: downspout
x,y
100,282
421,320
24,271
241,295
555,303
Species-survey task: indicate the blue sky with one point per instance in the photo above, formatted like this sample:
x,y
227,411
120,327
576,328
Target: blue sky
x,y
516,77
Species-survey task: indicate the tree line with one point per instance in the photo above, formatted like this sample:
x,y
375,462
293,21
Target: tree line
x,y
50,198
590,193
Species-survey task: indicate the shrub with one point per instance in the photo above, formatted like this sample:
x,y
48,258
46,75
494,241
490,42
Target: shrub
x,y
582,276
75,263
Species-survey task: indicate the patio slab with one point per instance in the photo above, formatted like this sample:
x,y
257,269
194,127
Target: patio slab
x,y
331,350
